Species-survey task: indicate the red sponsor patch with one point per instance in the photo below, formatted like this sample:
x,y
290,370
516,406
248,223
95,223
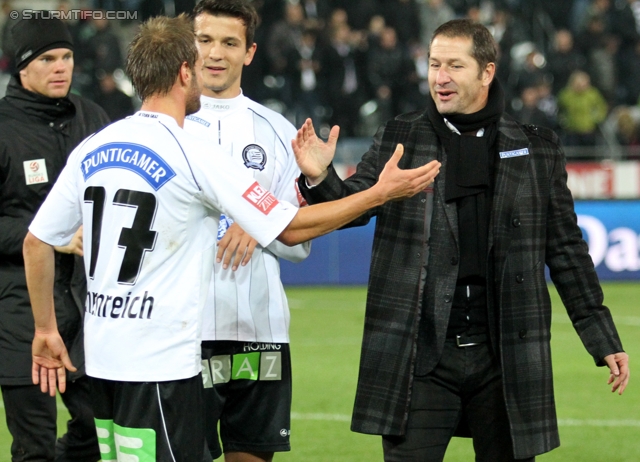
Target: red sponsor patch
x,y
261,198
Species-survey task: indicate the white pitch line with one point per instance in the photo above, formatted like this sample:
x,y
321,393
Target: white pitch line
x,y
619,320
313,416
347,418
598,423
561,422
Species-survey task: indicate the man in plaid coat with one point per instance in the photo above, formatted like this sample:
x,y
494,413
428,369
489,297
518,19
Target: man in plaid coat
x,y
457,326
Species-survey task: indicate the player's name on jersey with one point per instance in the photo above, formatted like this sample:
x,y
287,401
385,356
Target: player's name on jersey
x,y
103,306
130,156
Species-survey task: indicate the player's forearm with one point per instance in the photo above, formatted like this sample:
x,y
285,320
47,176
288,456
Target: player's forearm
x,y
317,220
39,263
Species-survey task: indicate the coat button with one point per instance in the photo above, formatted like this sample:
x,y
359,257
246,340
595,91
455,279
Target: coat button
x,y
51,124
454,261
516,222
418,254
522,333
423,200
447,298
519,278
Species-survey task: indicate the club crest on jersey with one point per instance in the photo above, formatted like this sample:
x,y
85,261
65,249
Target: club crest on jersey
x,y
134,157
254,157
260,198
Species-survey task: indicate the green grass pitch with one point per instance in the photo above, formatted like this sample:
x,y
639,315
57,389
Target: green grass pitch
x,y
326,329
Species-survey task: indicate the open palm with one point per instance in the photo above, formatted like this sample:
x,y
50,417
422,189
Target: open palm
x,y
312,154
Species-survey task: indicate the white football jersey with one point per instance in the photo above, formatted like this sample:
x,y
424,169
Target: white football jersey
x,y
149,196
250,304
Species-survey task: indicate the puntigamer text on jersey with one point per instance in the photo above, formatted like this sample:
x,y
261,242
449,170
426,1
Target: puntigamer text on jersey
x,y
134,157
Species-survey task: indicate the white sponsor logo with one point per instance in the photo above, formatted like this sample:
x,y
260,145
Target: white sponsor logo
x,y
516,153
35,171
618,249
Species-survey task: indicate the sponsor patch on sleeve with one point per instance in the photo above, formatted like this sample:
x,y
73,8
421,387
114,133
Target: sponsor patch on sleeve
x,y
35,171
261,198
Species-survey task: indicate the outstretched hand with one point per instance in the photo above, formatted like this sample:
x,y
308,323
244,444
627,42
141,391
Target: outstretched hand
x,y
399,184
619,366
49,360
312,154
236,247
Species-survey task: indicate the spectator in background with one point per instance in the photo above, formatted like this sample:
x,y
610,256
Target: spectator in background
x,y
529,112
601,9
284,37
337,18
417,87
627,125
548,102
564,59
461,7
40,124
581,108
599,47
374,31
271,11
109,97
102,52
432,13
345,89
627,27
505,32
559,11
528,74
6,47
307,77
404,17
316,12
150,9
359,12
388,67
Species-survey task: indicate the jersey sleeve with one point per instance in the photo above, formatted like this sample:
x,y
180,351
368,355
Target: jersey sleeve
x,y
231,190
286,189
60,215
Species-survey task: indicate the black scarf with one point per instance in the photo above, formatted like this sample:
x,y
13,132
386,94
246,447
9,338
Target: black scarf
x,y
468,176
468,157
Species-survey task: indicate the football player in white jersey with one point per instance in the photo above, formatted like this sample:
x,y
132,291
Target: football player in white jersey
x,y
247,310
146,194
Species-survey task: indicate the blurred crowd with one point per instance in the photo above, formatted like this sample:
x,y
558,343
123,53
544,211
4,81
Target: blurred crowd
x,y
571,65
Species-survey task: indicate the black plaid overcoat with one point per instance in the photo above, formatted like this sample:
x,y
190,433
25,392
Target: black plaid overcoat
x,y
533,223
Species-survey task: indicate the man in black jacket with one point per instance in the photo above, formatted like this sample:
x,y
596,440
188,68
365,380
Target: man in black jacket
x,y
40,124
457,326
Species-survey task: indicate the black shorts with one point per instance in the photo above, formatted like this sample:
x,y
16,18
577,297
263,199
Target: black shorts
x,y
155,421
247,388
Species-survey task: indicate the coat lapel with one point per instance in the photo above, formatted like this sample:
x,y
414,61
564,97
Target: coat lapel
x,y
508,175
426,139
